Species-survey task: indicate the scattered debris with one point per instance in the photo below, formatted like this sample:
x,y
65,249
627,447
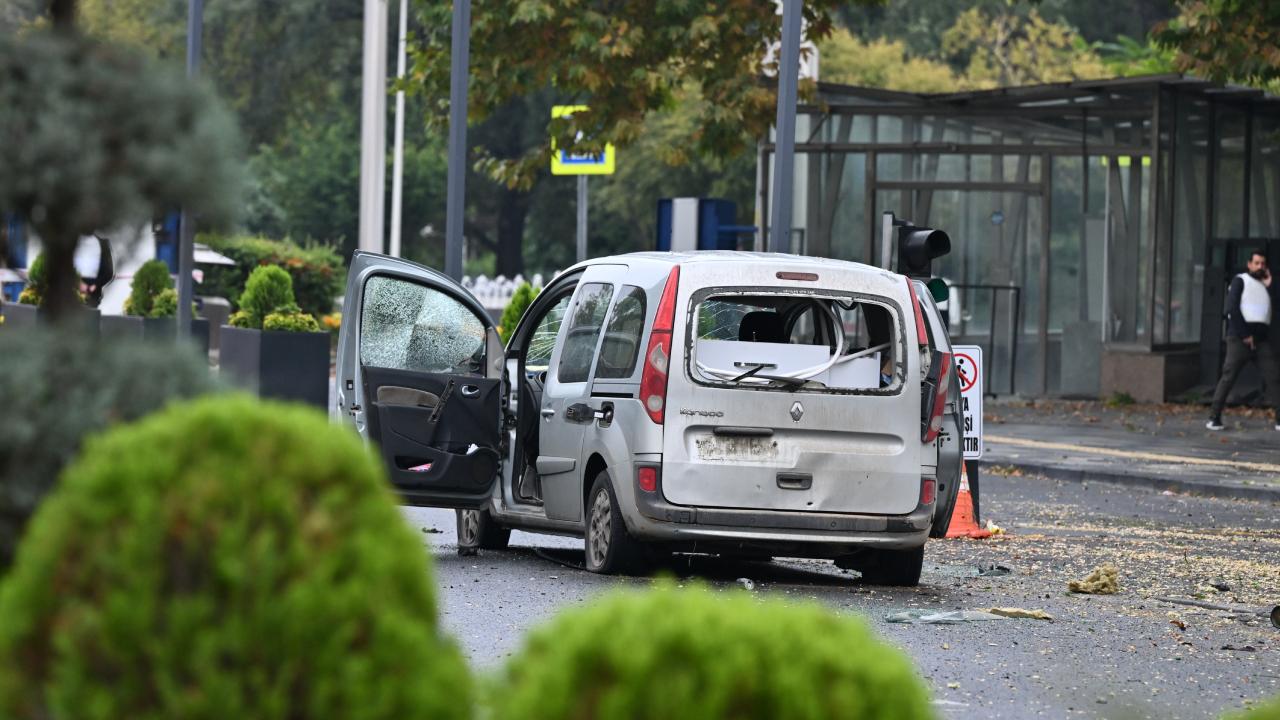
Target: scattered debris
x,y
1104,580
746,583
993,571
431,531
934,617
1220,586
993,528
953,685
1176,621
1275,613
1015,612
1246,648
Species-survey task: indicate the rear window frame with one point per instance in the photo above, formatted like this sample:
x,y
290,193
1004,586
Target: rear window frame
x,y
691,337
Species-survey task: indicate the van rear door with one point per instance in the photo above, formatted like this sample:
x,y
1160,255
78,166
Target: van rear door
x,y
744,429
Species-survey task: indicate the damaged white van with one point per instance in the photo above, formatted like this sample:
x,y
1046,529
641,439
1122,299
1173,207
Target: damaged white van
x,y
732,403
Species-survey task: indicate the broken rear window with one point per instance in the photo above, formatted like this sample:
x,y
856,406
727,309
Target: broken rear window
x,y
791,341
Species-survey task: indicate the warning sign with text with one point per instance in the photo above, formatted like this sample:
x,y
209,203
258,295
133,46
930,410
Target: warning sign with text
x,y
968,359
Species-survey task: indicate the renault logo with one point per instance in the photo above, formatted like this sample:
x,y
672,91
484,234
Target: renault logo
x,y
797,411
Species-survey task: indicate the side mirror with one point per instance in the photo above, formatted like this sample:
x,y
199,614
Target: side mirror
x,y
939,289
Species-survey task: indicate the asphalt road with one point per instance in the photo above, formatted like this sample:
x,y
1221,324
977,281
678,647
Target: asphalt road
x,y
1117,656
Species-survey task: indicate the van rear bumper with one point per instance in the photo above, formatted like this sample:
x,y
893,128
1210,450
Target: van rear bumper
x,y
660,520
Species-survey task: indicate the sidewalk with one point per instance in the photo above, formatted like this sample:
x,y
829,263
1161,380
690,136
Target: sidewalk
x,y
1165,447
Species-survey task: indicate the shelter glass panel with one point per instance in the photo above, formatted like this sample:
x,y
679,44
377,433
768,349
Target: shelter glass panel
x,y
1264,181
1228,181
1190,195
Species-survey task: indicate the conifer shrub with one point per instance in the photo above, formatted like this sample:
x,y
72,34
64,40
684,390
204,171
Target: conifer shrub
x,y
520,301
225,558
148,282
61,386
689,653
37,279
290,322
269,289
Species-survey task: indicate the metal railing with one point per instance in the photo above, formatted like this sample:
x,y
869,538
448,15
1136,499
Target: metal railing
x,y
965,326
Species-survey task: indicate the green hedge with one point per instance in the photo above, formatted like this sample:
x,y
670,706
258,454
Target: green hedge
x,y
520,301
225,558
318,273
673,653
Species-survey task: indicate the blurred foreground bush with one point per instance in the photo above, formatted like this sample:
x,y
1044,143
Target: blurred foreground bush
x,y
1266,711
670,653
225,558
317,271
59,387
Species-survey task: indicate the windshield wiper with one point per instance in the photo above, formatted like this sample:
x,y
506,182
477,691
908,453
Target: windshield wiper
x,y
757,367
788,381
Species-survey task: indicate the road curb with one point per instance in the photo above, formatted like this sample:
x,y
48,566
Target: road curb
x,y
1203,488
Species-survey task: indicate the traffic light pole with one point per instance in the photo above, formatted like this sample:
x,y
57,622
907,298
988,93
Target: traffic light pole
x,y
784,160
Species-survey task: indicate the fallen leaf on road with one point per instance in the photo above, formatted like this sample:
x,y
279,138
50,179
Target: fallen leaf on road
x,y
1246,648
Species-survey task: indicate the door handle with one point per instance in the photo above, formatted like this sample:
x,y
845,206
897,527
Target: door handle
x,y
470,391
548,412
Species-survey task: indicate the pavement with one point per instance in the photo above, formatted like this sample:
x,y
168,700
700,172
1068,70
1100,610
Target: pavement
x,y
1163,447
1121,656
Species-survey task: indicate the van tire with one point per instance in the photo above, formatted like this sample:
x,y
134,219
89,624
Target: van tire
x,y
896,568
609,548
478,531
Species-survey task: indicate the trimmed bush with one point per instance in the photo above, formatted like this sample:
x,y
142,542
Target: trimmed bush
x,y
317,270
269,289
37,279
290,322
165,304
520,301
150,280
225,558
58,388
689,653
1267,711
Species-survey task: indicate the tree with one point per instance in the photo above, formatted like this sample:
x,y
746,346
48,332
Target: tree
x,y
624,59
1004,48
97,136
883,63
1225,40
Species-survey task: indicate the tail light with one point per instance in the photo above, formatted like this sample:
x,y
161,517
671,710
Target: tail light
x,y
934,399
922,334
657,357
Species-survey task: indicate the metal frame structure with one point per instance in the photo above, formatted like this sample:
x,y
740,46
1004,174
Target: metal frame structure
x,y
1141,154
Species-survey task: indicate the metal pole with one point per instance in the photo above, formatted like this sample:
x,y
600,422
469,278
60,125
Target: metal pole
x,y
397,171
455,202
187,229
784,169
582,218
373,127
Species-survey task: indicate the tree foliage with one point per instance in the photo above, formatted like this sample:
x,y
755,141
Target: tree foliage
x,y
1226,40
623,59
1001,49
96,136
882,63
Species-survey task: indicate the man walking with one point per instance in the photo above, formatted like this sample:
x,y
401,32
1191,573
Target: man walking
x,y
1251,307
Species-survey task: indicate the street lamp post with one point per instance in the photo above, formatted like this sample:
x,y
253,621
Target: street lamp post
x,y
186,228
373,126
455,202
397,166
784,159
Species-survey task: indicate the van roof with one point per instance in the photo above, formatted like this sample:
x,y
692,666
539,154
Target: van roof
x,y
737,257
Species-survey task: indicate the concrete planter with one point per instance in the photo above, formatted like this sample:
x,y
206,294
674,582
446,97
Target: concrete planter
x,y
280,365
140,328
17,317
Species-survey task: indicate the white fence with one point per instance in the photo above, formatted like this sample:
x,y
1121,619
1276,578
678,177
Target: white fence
x,y
495,293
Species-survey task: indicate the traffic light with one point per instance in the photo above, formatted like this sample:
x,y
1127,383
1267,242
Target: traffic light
x,y
917,247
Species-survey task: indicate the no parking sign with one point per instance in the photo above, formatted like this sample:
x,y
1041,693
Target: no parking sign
x,y
968,360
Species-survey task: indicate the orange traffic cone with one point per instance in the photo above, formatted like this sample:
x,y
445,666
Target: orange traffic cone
x,y
963,522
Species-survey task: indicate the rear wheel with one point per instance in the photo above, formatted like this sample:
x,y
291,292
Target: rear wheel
x,y
609,549
478,531
900,568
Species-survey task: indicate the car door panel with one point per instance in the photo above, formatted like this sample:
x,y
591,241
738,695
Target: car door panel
x,y
419,373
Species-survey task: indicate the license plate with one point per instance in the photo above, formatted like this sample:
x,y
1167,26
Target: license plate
x,y
740,448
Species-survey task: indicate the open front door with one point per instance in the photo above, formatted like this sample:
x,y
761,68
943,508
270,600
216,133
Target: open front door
x,y
419,374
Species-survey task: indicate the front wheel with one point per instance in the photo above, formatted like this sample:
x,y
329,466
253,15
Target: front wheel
x,y
478,531
609,549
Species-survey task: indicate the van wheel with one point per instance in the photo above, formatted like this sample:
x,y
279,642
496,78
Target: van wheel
x,y
899,568
478,531
609,549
